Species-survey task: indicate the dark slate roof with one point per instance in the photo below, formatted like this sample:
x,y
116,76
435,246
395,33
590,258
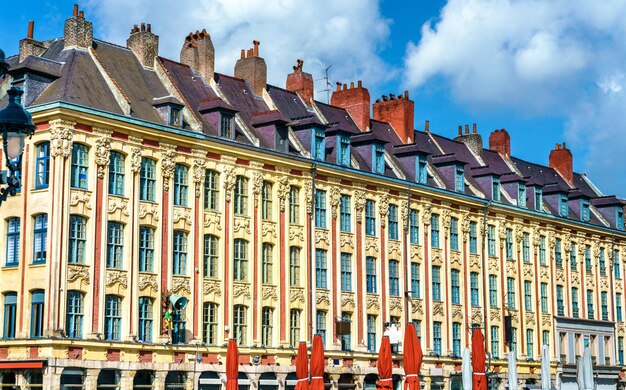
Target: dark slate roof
x,y
289,103
338,118
240,96
541,175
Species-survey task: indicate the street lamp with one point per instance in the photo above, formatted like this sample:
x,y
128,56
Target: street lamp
x,y
15,124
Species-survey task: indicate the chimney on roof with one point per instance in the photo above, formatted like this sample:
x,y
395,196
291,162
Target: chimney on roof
x,y
499,141
144,44
199,54
399,112
301,83
78,32
253,69
355,100
473,140
29,46
562,161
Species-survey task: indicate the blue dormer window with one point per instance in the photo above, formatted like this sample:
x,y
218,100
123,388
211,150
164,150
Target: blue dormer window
x,y
282,139
343,151
521,195
378,159
421,172
563,206
495,189
584,210
538,199
226,125
459,179
176,117
620,218
318,151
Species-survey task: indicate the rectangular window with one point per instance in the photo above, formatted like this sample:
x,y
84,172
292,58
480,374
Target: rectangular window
x,y
558,257
175,117
414,227
574,302
211,190
572,257
294,205
542,250
493,291
319,145
526,247
115,245
619,218
74,315
42,165
78,240
345,339
370,274
346,272
513,345
378,159
147,180
267,263
495,189
473,237
116,174
530,340
40,239
282,139
266,326
563,206
602,262
604,306
180,253
371,333
544,298
590,311
491,240
10,311
474,289
421,170
521,195
240,201
181,177
415,280
546,337
240,260
434,230
226,125
456,339
392,217
37,313
455,286
560,305
320,209
509,244
320,322
294,266
112,318
370,217
437,338
146,249
145,319
528,296
320,269
13,242
209,323
454,234
584,210
210,258
80,166
495,344
588,265
266,201
394,278
510,291
538,199
618,306
343,153
616,264
345,216
620,350
459,179
436,283
294,331
240,324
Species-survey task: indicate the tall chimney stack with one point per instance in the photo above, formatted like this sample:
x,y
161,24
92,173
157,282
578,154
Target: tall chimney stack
x,y
399,112
301,83
253,69
562,161
144,44
198,52
355,100
472,140
29,46
78,32
499,141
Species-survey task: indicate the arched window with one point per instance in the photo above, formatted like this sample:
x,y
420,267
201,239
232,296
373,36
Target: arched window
x,y
240,206
145,319
181,177
37,313
74,314
80,165
78,239
240,323
112,317
40,239
13,242
116,174
42,165
147,180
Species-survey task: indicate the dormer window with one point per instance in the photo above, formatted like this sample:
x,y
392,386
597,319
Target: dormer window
x,y
538,199
176,116
620,218
378,159
282,139
521,195
318,146
563,206
584,210
459,179
227,125
495,189
343,150
421,172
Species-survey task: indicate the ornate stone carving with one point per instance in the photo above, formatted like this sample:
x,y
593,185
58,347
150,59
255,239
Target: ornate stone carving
x,y
229,177
604,282
457,312
437,309
346,239
510,267
198,170
347,301
546,320
372,302
180,283
394,247
502,234
118,204
113,277
257,182
149,208
536,236
75,272
168,164
241,223
61,137
455,259
308,198
296,294
530,319
383,208
426,215
268,229
544,271
322,297
296,232
395,303
575,277
416,253
465,227
148,280
283,191
494,268
560,275
269,292
477,315
371,243
80,197
519,234
404,212
241,290
495,315
102,150
528,270
212,287
359,204
135,159
445,219
334,196
417,307
551,241
183,213
475,261
212,219
321,235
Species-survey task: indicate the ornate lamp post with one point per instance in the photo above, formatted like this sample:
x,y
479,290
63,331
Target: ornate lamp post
x,y
15,124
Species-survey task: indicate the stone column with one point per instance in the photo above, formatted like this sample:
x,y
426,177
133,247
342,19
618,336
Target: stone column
x,y
159,379
127,378
52,378
91,380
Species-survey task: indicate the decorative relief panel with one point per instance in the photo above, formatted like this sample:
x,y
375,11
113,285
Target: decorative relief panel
x,y
113,277
371,243
321,235
528,270
393,246
61,137
495,315
475,261
494,267
269,293
347,301
180,283
372,302
198,171
102,150
296,232
212,287
395,303
455,258
546,320
76,272
116,204
296,294
359,205
346,240
437,308
545,272
590,279
241,290
322,297
268,229
604,282
560,275
416,253
148,209
241,224
417,307
436,257
457,312
181,214
283,191
575,277
212,220
477,315
510,268
80,198
148,281
168,163
530,319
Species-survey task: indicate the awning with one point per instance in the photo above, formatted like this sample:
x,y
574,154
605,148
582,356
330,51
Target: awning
x,y
22,364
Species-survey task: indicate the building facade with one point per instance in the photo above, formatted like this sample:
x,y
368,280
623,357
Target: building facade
x,y
166,208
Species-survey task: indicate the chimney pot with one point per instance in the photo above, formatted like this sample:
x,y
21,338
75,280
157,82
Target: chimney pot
x,y
338,86
460,130
243,53
144,44
399,113
427,126
360,84
466,129
253,69
351,84
199,55
406,94
75,13
345,87
81,14
474,128
392,96
256,47
301,83
31,29
77,31
143,27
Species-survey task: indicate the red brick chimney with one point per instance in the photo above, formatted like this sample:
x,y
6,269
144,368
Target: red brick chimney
x,y
561,159
29,46
499,141
399,112
144,44
301,83
198,52
252,68
77,31
354,100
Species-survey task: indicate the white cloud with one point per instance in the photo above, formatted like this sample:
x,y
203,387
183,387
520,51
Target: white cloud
x,y
560,58
346,34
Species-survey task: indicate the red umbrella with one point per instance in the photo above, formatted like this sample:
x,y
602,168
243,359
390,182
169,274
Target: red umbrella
x,y
302,367
384,366
232,365
479,379
412,358
317,364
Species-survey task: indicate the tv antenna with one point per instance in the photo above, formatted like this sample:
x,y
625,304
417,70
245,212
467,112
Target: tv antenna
x,y
327,84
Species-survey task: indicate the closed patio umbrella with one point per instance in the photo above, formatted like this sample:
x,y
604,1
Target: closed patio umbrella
x,y
302,367
580,380
466,369
317,364
384,366
512,371
479,378
545,368
232,365
412,358
587,370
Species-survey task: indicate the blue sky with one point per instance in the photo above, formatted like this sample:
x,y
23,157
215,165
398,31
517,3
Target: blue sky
x,y
548,72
